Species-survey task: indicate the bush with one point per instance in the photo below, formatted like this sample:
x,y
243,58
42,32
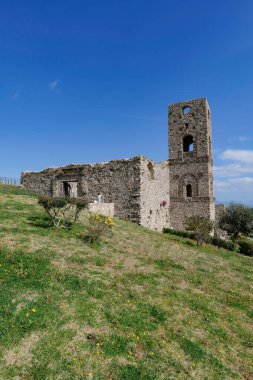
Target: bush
x,y
229,245
246,247
98,226
220,243
63,212
201,227
185,234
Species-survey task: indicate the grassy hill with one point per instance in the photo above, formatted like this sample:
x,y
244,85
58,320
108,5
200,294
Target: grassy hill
x,y
141,305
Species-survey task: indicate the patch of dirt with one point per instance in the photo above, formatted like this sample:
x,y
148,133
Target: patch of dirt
x,y
22,354
23,299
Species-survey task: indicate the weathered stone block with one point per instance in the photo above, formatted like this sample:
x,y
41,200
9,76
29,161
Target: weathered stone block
x,y
106,209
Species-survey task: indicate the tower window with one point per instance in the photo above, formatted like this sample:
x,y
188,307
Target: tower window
x,y
189,191
186,110
188,144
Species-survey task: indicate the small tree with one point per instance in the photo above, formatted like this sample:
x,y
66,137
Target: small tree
x,y
98,226
201,228
63,212
237,219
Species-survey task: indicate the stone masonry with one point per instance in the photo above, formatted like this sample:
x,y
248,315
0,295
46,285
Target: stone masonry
x,y
190,162
155,195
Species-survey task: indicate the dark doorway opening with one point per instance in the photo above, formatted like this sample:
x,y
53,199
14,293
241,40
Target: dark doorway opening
x,y
70,189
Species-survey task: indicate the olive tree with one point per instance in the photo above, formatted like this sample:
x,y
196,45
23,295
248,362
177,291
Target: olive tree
x,y
237,219
62,211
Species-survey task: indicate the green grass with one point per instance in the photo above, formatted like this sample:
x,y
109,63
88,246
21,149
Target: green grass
x,y
139,305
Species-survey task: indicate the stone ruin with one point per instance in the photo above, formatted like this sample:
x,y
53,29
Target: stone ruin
x,y
154,195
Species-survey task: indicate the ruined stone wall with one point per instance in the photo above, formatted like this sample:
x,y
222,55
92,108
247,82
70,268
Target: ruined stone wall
x,y
39,182
118,181
181,210
191,165
106,209
219,210
154,194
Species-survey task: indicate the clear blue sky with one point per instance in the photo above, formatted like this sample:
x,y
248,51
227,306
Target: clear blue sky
x,y
88,81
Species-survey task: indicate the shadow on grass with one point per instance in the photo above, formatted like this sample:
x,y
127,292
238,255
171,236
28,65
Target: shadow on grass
x,y
189,243
181,240
42,221
87,240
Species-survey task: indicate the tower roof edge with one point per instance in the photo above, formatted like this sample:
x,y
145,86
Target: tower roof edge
x,y
188,102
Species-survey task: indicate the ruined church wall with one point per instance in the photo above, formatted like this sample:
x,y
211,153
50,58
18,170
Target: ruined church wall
x,y
200,203
118,181
154,194
182,210
39,182
219,210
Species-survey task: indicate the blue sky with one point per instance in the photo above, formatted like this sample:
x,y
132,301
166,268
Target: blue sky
x,y
88,81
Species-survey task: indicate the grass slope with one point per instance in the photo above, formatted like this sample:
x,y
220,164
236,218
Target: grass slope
x,y
141,305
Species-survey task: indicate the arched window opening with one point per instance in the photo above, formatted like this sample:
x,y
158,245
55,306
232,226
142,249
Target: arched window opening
x,y
186,110
188,144
189,191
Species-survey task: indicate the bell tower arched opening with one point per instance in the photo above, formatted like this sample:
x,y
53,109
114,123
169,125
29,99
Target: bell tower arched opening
x,y
188,143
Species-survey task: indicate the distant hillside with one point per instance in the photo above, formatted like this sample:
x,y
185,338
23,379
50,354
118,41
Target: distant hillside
x,y
248,203
139,306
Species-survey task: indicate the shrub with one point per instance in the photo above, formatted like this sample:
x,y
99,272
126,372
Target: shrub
x,y
185,234
98,226
246,247
63,212
229,245
201,227
220,243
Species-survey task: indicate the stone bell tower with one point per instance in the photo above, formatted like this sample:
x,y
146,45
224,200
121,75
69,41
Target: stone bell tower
x,y
190,162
